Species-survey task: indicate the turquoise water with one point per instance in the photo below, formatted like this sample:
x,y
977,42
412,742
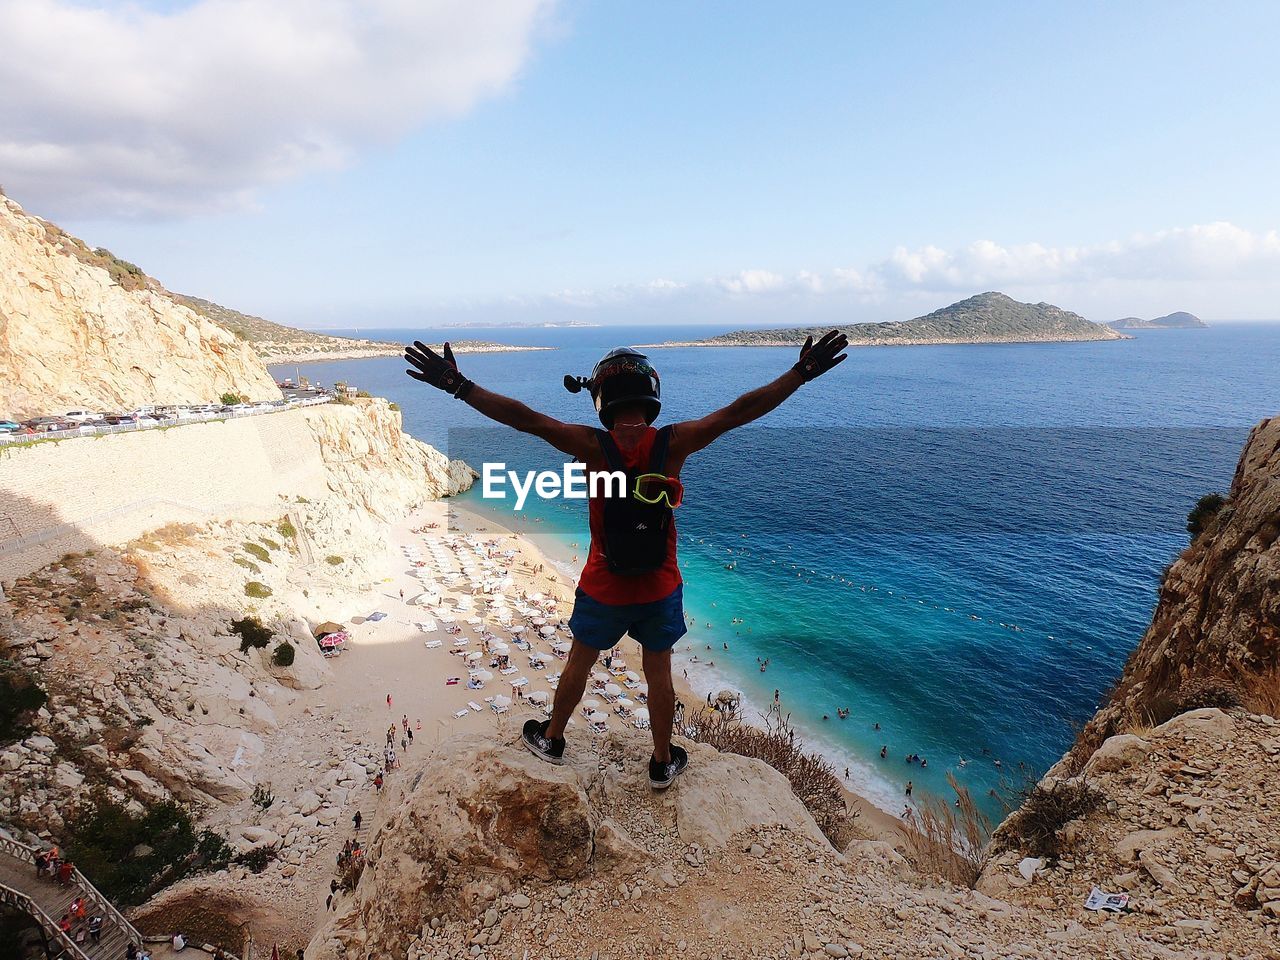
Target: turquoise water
x,y
960,544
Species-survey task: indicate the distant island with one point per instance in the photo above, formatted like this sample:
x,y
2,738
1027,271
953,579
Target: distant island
x,y
515,325
985,318
1181,320
276,343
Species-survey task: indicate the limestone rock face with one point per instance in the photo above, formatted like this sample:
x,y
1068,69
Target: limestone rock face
x,y
1218,618
72,336
488,817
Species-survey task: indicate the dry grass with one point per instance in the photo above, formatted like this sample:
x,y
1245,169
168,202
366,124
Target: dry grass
x,y
1260,693
813,779
949,840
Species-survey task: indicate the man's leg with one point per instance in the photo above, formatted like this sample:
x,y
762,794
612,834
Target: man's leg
x,y
573,684
662,701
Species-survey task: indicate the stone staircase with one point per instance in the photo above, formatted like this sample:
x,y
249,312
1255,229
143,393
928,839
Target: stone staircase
x,y
45,901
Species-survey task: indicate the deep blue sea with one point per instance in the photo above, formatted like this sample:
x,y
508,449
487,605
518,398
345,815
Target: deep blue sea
x,y
959,544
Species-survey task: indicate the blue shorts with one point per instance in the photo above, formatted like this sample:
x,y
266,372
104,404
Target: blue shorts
x,y
657,625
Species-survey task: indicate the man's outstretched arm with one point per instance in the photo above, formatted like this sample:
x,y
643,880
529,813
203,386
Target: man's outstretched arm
x,y
815,360
442,373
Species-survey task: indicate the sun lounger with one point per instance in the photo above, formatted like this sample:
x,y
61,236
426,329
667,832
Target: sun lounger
x,y
452,681
432,644
460,714
475,706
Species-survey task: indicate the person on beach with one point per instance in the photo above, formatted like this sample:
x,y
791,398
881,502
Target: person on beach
x,y
631,582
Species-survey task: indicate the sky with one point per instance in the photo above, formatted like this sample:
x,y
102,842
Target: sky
x,y
337,163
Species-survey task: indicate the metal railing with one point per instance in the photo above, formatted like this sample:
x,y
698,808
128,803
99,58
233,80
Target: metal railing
x,y
102,429
20,851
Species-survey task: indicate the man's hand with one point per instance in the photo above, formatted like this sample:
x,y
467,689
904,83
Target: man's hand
x,y
441,372
817,359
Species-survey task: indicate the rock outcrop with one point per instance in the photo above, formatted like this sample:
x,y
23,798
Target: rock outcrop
x,y
1216,630
75,334
1187,822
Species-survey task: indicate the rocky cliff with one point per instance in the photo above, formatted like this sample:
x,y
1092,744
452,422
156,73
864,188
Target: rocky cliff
x,y
79,328
1214,639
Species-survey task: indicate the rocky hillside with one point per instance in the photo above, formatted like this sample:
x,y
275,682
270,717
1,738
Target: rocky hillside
x,y
985,318
276,343
1215,636
81,328
1180,320
151,692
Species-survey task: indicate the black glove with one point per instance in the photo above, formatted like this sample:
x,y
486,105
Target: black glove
x,y
440,372
817,359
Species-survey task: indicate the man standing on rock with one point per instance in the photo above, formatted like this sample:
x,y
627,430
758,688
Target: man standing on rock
x,y
631,583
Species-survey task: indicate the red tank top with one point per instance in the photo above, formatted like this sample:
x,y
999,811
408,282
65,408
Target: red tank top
x,y
599,582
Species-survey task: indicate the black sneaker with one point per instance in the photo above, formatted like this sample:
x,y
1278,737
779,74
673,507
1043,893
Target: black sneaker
x,y
662,775
539,744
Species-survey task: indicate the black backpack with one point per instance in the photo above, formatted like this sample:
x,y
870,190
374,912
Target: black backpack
x,y
635,532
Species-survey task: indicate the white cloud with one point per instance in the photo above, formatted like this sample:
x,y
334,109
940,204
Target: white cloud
x,y
110,108
1217,269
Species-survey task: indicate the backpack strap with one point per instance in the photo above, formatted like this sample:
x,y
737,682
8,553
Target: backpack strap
x,y
658,452
609,447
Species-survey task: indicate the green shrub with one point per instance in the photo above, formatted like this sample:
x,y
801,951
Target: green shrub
x,y
257,858
283,656
333,560
130,855
20,697
393,405
287,529
252,633
364,395
229,399
1035,827
1202,514
247,564
257,550
259,591
263,797
1200,692
269,543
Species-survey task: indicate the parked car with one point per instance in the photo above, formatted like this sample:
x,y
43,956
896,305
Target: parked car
x,y
48,424
9,426
143,411
82,416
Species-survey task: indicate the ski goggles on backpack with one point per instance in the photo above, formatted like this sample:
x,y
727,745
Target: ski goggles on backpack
x,y
657,488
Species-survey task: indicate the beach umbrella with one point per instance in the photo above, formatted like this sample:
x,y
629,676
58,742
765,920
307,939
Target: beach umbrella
x,y
599,676
484,676
327,627
590,705
499,647
595,716
547,631
560,646
643,688
538,697
474,655
625,704
501,701
538,621
632,676
613,690
518,628
642,713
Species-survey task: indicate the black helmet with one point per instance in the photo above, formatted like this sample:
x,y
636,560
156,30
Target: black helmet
x,y
625,376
